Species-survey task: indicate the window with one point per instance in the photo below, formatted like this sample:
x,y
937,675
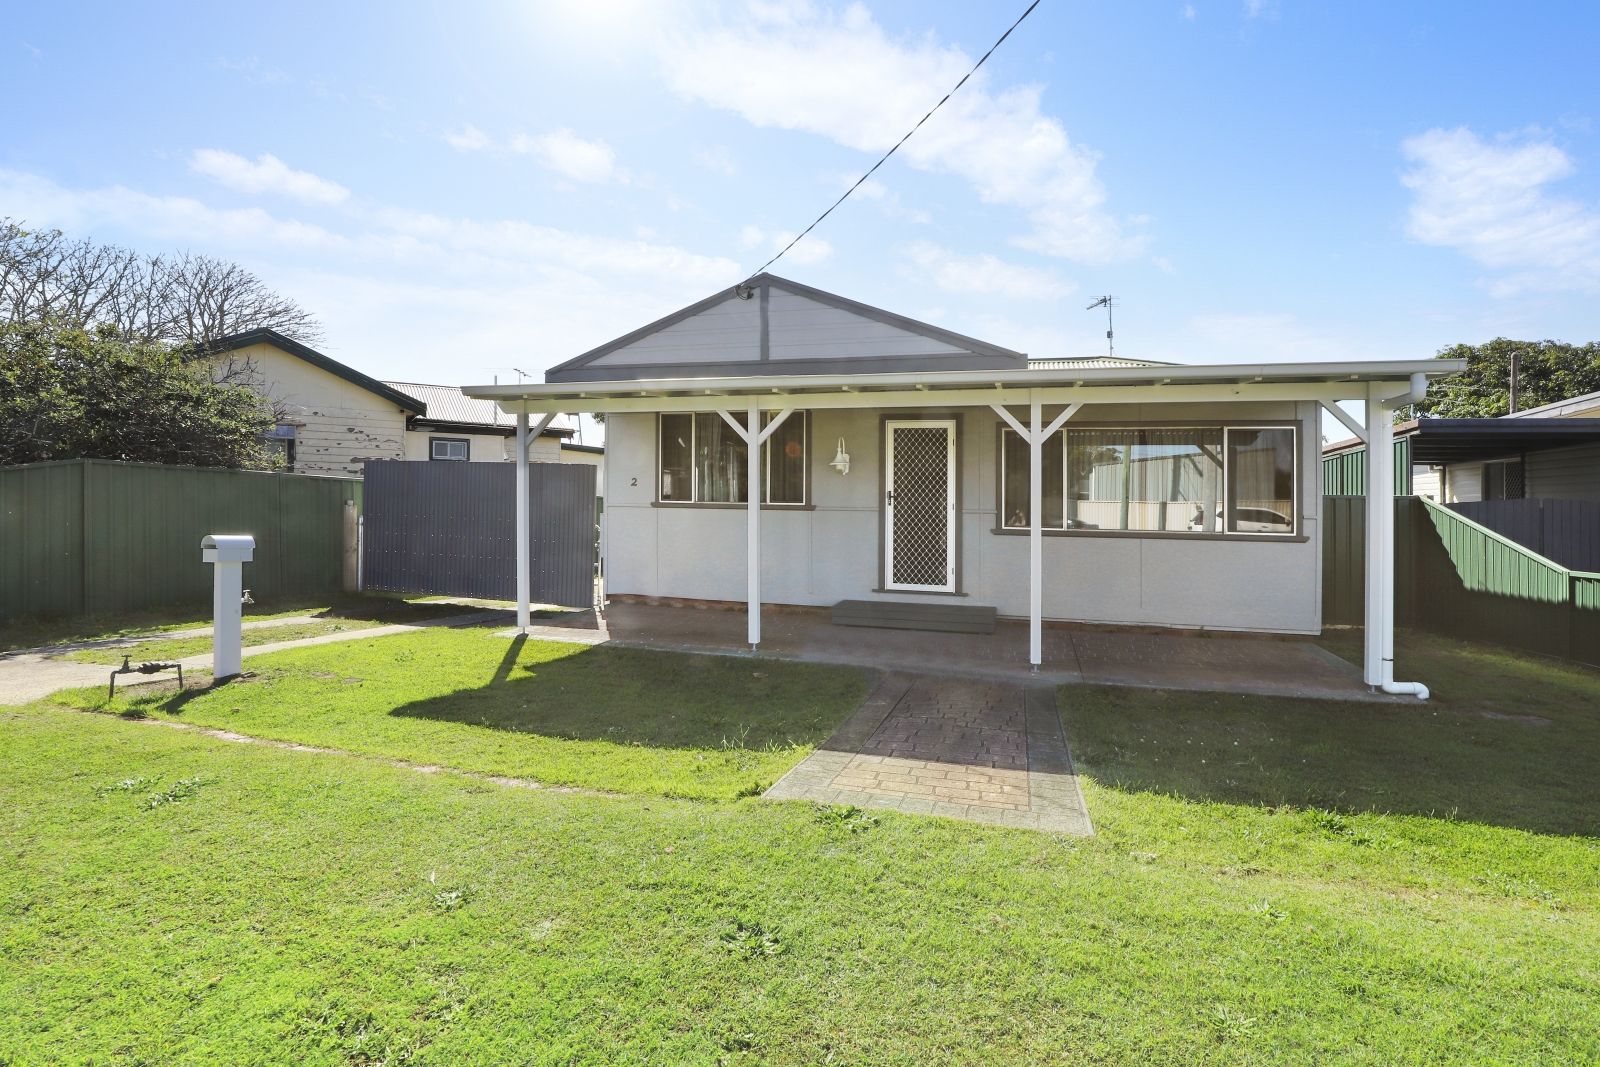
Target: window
x,y
1503,480
1156,479
279,443
1261,480
704,461
457,449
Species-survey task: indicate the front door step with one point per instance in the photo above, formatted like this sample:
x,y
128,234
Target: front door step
x,y
893,615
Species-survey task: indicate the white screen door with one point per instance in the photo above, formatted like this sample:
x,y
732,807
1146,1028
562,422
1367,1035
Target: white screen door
x,y
919,506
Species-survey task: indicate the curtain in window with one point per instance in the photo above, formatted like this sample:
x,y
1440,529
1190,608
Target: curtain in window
x,y
1015,495
719,460
1261,480
785,460
1157,478
677,440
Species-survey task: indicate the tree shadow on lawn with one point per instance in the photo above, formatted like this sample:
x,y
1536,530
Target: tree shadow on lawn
x,y
655,699
1508,740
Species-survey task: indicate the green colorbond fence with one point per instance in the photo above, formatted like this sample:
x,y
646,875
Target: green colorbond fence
x,y
1456,577
1345,474
82,537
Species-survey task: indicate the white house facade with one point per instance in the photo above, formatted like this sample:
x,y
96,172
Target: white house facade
x,y
778,444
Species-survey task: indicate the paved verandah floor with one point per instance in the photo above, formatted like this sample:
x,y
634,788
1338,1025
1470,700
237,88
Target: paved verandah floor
x,y
984,751
1237,663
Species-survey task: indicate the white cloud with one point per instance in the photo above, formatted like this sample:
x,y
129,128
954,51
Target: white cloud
x,y
468,139
1188,12
812,250
1489,201
839,75
1255,9
571,156
984,274
265,174
404,293
562,151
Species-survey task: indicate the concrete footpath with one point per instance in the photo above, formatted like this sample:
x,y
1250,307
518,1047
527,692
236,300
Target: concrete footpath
x,y
32,673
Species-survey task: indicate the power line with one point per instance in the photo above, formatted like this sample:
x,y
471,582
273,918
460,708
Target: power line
x,y
898,143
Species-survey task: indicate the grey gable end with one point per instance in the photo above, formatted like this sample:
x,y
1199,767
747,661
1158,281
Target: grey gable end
x,y
773,326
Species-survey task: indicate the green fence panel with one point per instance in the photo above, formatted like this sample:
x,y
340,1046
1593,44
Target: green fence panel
x,y
1479,585
41,539
96,536
1585,618
1345,474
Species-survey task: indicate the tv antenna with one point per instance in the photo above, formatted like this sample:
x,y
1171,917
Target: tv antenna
x,y
1105,302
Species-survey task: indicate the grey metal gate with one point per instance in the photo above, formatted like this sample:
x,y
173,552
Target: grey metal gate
x,y
450,528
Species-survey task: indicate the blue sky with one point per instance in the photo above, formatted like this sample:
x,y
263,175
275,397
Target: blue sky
x,y
463,189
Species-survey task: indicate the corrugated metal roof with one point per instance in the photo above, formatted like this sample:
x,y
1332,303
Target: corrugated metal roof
x,y
447,403
1094,361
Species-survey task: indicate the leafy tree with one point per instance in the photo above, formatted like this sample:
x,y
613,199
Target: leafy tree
x,y
1547,371
45,275
68,393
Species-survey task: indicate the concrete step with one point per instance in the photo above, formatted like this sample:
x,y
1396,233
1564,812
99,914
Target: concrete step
x,y
898,615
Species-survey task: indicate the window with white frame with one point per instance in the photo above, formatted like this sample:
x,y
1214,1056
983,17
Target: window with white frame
x,y
704,461
456,449
1166,479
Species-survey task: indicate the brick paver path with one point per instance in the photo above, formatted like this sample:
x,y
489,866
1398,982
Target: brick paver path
x,y
982,751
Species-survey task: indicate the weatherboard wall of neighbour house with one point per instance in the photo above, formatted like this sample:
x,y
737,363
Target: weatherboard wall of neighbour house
x,y
831,550
338,425
484,447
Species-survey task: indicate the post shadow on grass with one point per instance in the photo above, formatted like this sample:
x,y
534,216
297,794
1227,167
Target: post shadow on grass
x,y
1461,763
630,696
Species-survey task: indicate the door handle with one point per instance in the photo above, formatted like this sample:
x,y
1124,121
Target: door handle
x,y
888,498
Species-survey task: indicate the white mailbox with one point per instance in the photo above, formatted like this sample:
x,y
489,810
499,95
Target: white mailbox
x,y
226,553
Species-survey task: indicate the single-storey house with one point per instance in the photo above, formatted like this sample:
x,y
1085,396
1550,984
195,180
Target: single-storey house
x,y
777,444
334,417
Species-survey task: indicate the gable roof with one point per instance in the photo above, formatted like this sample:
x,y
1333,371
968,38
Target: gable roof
x,y
265,336
448,405
741,325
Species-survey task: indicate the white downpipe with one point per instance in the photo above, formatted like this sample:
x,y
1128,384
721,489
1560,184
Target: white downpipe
x,y
524,557
1378,666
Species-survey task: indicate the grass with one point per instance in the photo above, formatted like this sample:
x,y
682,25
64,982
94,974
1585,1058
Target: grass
x,y
627,720
171,648
172,898
371,607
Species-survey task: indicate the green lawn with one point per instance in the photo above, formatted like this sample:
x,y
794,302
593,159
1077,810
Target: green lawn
x,y
170,898
171,648
370,607
627,720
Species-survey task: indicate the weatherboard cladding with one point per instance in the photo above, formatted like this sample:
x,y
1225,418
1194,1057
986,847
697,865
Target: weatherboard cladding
x,y
774,326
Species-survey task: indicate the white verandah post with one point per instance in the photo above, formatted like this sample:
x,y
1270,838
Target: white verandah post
x,y
1036,434
1378,662
754,436
524,524
524,556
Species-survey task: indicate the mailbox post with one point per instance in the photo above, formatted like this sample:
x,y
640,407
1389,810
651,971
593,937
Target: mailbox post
x,y
226,553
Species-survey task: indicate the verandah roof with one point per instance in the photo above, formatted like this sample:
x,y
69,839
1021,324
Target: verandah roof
x,y
1099,384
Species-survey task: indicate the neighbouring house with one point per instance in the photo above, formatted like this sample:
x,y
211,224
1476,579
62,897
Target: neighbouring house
x,y
777,444
1551,452
334,417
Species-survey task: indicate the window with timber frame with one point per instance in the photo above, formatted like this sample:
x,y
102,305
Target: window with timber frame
x,y
703,461
1156,479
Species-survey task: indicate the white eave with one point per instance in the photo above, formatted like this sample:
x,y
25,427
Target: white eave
x,y
1199,382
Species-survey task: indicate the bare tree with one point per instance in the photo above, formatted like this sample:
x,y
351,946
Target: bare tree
x,y
45,275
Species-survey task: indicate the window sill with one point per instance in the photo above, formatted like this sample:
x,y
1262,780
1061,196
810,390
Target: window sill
x,y
1164,535
711,506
